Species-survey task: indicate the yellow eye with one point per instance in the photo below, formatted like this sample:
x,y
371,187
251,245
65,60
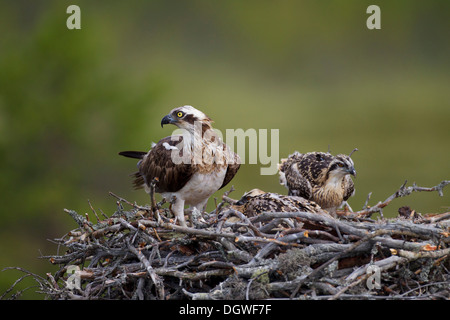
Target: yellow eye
x,y
340,165
179,114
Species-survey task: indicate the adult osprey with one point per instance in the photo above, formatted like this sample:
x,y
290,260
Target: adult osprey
x,y
191,166
320,177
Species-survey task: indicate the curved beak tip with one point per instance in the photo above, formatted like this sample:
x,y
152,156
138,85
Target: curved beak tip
x,y
166,120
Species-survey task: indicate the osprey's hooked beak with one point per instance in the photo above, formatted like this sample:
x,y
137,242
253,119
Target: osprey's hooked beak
x,y
241,201
352,171
167,120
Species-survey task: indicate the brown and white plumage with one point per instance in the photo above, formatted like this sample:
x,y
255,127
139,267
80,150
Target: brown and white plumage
x,y
256,201
320,177
191,166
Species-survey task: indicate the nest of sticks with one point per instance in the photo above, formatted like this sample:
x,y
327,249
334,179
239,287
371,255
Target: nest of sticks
x,y
140,253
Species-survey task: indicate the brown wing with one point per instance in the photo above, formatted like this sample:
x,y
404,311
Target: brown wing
x,y
349,187
158,164
297,184
314,165
232,168
272,202
287,162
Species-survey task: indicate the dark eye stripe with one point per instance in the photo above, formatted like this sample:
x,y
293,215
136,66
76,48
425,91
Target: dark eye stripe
x,y
189,118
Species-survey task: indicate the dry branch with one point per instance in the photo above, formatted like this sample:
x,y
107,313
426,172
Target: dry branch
x,y
403,191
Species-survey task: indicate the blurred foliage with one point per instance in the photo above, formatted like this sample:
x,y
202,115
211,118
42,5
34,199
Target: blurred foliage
x,y
71,99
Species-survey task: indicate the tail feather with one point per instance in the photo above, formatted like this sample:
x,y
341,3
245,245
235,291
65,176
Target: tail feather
x,y
133,154
139,181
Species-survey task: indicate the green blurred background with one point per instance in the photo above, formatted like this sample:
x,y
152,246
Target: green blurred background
x,y
71,99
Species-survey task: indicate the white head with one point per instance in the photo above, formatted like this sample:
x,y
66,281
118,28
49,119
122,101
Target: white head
x,y
185,117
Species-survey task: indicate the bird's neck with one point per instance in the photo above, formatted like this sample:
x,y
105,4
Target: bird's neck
x,y
200,134
204,145
335,178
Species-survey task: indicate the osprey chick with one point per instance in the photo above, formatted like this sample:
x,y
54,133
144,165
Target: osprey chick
x,y
256,201
320,177
191,166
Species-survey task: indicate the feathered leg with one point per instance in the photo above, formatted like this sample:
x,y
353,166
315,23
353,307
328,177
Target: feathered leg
x,y
178,211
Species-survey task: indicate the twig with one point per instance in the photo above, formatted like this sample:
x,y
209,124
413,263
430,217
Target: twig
x,y
134,205
403,191
423,254
437,218
367,201
153,200
43,284
155,278
93,210
225,199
